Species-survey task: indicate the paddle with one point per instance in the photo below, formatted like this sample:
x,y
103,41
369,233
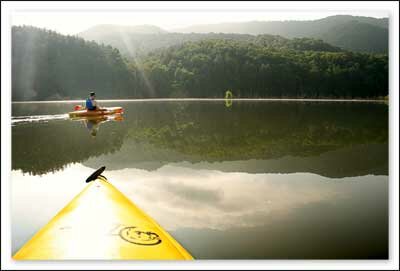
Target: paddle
x,y
96,174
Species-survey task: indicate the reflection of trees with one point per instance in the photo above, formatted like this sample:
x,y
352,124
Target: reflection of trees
x,y
211,132
156,133
262,131
41,148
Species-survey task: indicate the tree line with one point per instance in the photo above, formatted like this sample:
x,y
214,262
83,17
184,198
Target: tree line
x,y
50,66
250,69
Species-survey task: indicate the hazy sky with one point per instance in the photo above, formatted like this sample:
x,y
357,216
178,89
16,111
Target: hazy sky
x,y
73,22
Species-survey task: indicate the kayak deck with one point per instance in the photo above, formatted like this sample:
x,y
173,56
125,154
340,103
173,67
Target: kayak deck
x,y
101,223
87,113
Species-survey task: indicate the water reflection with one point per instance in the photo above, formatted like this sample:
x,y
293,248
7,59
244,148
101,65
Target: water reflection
x,y
254,180
217,214
330,139
93,123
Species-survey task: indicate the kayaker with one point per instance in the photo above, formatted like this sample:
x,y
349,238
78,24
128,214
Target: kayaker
x,y
91,103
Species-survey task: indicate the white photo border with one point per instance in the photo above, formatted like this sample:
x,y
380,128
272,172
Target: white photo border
x,y
392,7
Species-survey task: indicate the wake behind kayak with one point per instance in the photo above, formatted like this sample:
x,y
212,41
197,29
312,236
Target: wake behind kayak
x,y
37,119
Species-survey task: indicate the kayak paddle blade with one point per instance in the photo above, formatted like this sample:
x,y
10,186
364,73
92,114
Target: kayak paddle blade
x,y
95,174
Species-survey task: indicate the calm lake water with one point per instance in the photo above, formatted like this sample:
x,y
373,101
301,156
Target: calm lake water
x,y
257,179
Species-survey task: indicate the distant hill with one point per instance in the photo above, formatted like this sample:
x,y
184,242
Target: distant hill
x,y
285,28
362,36
134,44
333,29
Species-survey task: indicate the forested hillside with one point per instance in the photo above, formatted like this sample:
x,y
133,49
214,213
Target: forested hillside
x,y
50,66
355,33
358,36
209,68
134,45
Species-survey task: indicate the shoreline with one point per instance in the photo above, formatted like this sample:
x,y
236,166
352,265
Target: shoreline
x,y
212,99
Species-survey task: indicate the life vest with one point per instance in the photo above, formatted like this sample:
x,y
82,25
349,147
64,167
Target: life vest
x,y
89,104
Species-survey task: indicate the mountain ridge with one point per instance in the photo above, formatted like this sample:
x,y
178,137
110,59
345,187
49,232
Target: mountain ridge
x,y
381,22
338,30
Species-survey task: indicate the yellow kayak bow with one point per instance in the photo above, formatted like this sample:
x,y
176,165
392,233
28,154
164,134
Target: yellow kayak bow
x,y
101,223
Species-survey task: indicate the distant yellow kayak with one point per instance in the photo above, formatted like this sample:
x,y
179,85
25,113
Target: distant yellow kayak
x,y
101,223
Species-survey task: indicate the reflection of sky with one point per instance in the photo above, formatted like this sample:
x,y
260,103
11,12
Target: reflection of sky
x,y
178,197
181,197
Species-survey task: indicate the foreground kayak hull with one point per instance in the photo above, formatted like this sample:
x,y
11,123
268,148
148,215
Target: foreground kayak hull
x,y
100,223
89,113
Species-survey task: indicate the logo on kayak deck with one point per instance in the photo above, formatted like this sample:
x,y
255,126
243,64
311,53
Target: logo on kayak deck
x,y
139,237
